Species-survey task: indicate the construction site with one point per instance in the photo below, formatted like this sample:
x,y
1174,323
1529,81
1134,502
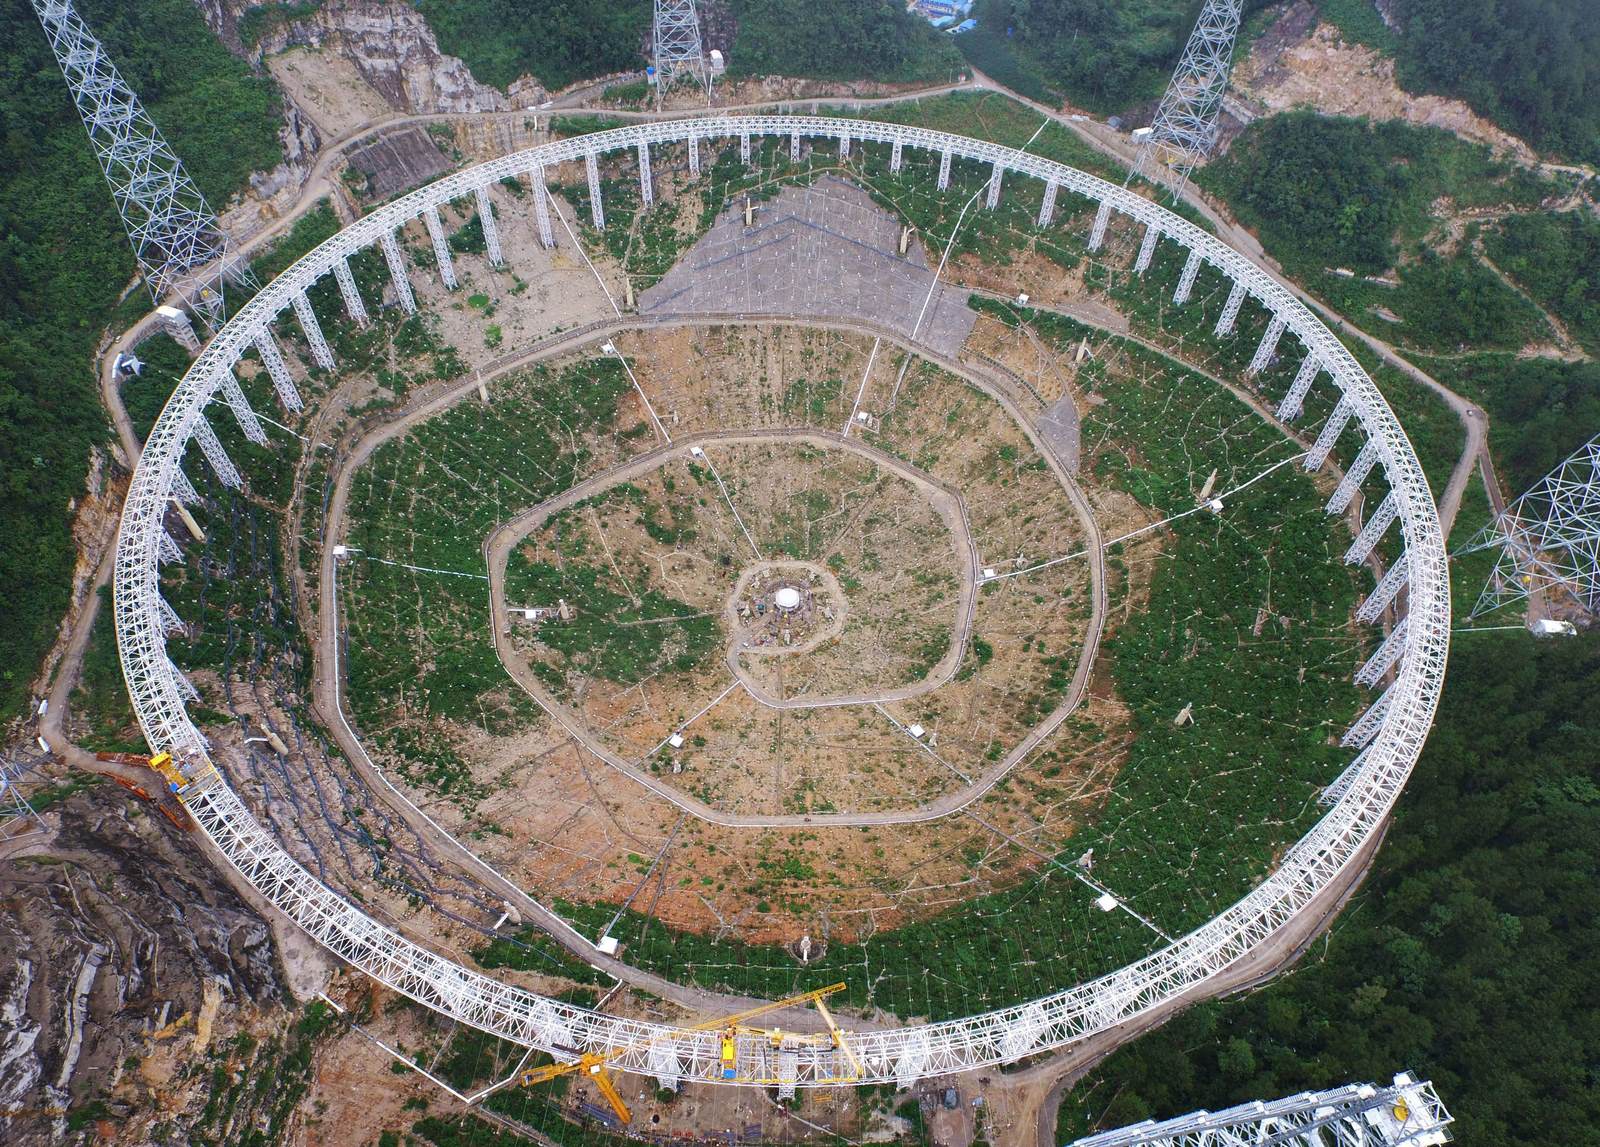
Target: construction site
x,y
809,604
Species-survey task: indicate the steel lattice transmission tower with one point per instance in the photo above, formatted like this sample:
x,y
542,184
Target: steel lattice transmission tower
x,y
678,50
1549,538
180,247
1357,1115
1185,127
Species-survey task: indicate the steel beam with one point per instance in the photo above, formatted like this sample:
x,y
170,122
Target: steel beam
x,y
1102,219
491,229
1267,347
397,272
1343,412
221,465
167,550
694,155
597,211
844,145
1384,593
1294,402
1230,309
647,191
320,352
1353,477
233,395
1360,735
1047,208
944,170
278,370
992,198
894,157
1383,658
794,147
441,248
1373,529
541,208
349,292
744,148
1191,269
1147,248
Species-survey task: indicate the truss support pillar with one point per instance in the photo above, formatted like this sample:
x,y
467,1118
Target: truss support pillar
x,y
541,208
1230,309
167,550
278,371
1341,784
1337,421
216,456
647,191
1102,218
170,621
744,148
694,155
1294,402
1147,249
1373,529
491,229
233,395
441,248
1394,579
597,211
844,146
183,490
1384,657
944,170
992,199
1267,347
1360,735
353,306
397,272
320,352
1191,270
895,157
794,147
1047,209
1353,477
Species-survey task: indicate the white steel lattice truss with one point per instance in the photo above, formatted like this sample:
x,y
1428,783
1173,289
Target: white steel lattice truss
x,y
1549,538
180,248
678,51
1185,126
1357,1115
1392,736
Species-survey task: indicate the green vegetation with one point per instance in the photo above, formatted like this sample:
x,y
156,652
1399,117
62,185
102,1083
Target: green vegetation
x,y
101,698
839,40
1359,22
1325,191
1472,953
557,44
1531,65
1556,259
64,261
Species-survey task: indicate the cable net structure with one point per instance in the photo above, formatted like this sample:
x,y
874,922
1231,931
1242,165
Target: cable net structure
x,y
1407,1111
180,247
1549,539
678,49
1185,126
1378,749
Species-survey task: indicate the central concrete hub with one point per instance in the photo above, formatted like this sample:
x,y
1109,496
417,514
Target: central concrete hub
x,y
784,607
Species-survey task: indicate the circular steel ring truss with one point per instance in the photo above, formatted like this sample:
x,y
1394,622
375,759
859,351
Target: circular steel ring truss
x,y
1389,736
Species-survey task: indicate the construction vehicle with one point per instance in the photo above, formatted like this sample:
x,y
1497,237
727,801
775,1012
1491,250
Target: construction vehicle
x,y
596,1065
164,799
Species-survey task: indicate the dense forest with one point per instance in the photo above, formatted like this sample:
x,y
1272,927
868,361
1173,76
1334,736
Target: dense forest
x,y
1531,65
558,44
1472,954
64,260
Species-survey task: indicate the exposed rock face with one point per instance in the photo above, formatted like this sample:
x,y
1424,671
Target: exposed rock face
x,y
115,927
390,44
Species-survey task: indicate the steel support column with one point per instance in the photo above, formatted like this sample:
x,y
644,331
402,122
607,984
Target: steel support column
x,y
992,199
215,455
1383,594
233,395
1102,218
1267,347
541,208
1047,209
694,155
1384,657
944,170
597,212
894,158
441,248
491,229
1230,309
349,292
182,489
397,272
1353,477
844,146
1331,429
647,191
1294,402
170,621
794,147
278,371
320,352
744,148
1147,248
1359,735
1373,529
167,550
1191,270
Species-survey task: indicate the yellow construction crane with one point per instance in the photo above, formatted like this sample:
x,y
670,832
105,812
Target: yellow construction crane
x,y
596,1065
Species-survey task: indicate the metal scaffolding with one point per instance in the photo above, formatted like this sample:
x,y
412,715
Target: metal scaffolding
x,y
180,247
678,51
1549,539
1408,1111
1185,127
